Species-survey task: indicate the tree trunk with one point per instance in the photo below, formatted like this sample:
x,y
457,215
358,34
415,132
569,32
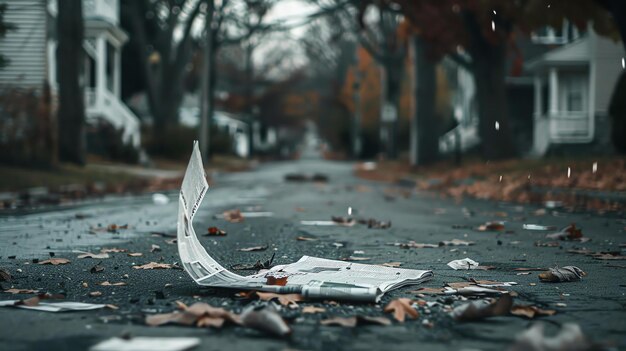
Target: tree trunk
x,y
206,89
71,113
392,84
488,66
424,125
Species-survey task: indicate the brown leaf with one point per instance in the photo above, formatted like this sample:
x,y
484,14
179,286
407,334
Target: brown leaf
x,y
413,245
233,216
135,254
155,248
5,276
274,280
568,233
283,299
215,231
562,274
55,261
200,314
313,309
304,238
348,322
401,308
491,227
154,265
100,255
608,256
107,283
254,248
21,291
112,250
95,294
530,311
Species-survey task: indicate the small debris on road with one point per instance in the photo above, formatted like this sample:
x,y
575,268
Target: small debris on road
x,y
464,264
563,274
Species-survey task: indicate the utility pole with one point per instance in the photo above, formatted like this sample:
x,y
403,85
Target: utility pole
x,y
205,81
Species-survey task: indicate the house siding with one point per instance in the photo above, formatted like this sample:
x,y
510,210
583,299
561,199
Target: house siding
x,y
25,47
607,63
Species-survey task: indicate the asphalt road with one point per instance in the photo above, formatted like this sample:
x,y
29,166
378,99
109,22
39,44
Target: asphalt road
x,y
597,302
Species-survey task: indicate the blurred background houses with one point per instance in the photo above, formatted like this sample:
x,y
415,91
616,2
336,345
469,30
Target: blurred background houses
x,y
134,81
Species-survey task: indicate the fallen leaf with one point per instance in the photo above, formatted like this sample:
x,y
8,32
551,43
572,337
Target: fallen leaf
x,y
348,322
456,242
21,291
155,248
55,261
254,248
233,216
5,276
304,238
530,311
215,231
107,283
313,309
199,314
562,274
568,233
491,227
608,256
283,299
401,308
483,309
84,254
95,293
96,269
114,227
273,280
413,245
135,254
112,250
171,241
154,265
375,224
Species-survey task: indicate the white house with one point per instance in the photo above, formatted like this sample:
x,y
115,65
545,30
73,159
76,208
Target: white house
x,y
568,78
573,85
31,49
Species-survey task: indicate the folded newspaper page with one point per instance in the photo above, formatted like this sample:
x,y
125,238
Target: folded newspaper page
x,y
313,277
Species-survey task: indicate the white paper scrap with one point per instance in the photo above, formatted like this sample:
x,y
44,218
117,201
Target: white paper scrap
x,y
54,306
466,263
146,344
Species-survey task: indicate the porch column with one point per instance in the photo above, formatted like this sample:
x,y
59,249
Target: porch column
x,y
538,95
553,99
100,59
117,72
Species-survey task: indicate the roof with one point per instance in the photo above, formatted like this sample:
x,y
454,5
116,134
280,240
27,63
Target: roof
x,y
573,54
